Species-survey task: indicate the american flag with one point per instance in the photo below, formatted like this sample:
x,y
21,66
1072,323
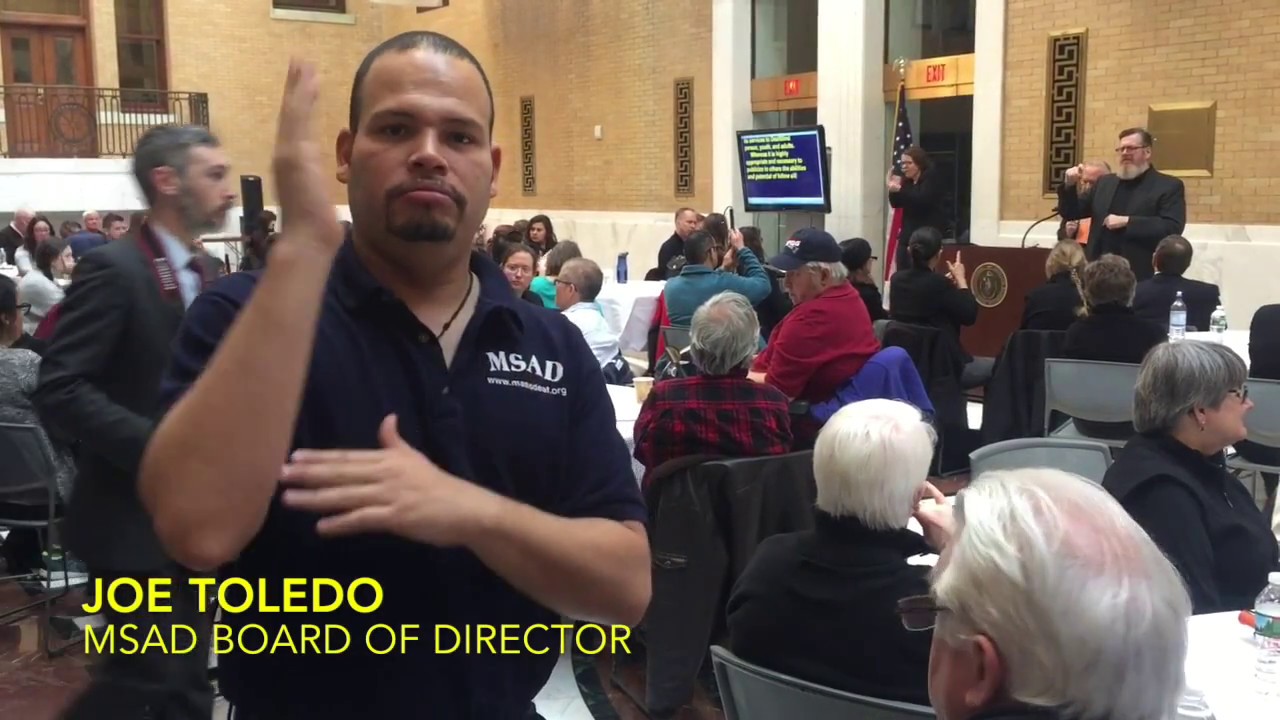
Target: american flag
x,y
901,141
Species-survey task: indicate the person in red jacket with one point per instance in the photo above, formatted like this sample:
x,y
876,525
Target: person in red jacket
x,y
827,338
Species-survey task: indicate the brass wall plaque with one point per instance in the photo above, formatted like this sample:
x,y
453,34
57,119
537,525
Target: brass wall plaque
x,y
1184,137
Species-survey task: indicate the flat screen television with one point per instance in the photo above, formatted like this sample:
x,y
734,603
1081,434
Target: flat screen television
x,y
785,170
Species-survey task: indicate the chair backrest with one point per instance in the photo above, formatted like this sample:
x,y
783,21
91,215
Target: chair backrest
x,y
28,473
676,337
1263,421
1089,390
1085,458
750,692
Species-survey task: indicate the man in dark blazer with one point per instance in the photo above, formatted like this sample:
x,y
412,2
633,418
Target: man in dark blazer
x,y
1131,210
100,389
1154,295
12,235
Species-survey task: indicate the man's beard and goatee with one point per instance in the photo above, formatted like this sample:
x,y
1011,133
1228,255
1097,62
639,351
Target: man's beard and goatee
x,y
1129,172
424,230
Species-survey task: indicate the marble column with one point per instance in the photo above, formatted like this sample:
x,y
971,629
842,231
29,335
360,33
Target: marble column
x,y
731,97
851,107
988,122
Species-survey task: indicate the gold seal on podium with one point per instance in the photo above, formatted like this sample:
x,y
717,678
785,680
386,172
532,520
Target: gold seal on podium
x,y
990,284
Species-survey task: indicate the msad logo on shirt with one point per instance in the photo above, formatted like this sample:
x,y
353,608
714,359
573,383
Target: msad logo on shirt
x,y
548,372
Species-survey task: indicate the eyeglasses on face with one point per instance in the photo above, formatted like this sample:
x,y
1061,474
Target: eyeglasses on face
x,y
919,612
24,308
1126,149
565,283
519,270
1242,392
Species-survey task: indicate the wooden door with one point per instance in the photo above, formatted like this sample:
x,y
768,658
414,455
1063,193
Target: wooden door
x,y
49,110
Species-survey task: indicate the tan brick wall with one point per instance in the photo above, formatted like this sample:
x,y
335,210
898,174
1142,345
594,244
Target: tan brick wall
x,y
1156,51
592,62
588,63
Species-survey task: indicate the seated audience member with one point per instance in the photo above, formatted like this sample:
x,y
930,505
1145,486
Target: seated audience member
x,y
920,296
495,245
39,230
778,304
701,277
718,411
577,286
1048,603
540,234
114,226
82,241
827,338
821,605
1154,295
856,255
1060,301
19,371
519,262
1264,364
544,286
1110,331
39,290
1189,405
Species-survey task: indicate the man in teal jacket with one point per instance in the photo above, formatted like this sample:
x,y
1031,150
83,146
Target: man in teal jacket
x,y
701,277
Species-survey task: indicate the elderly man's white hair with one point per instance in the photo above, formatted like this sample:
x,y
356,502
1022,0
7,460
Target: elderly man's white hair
x,y
871,460
1085,610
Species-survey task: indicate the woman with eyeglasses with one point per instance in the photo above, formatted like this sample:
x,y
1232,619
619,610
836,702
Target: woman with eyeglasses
x,y
1188,407
19,371
520,262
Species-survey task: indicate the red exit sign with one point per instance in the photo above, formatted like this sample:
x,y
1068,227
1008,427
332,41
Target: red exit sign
x,y
935,73
790,87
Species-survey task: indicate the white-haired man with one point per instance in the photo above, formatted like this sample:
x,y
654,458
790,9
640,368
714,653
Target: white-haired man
x,y
1049,603
90,237
827,338
821,604
718,411
12,236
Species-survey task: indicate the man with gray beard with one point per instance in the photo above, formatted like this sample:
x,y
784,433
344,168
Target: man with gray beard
x,y
100,388
1129,211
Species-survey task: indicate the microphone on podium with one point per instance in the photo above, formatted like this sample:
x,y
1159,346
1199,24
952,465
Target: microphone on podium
x,y
1050,216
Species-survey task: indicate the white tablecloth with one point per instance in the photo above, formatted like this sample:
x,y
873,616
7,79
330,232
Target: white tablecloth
x,y
628,308
1220,657
1237,340
626,409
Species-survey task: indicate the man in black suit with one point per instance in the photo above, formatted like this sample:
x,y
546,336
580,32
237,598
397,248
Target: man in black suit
x,y
673,247
100,389
11,237
1155,294
1129,211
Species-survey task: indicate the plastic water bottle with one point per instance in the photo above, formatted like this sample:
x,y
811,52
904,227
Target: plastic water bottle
x,y
1177,319
1218,324
622,267
1266,628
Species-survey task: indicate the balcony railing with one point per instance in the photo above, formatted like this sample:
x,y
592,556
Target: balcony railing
x,y
59,121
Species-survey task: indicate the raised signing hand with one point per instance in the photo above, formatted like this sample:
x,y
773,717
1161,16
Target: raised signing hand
x,y
308,215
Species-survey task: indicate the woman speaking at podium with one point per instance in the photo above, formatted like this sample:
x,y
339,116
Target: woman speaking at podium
x,y
917,190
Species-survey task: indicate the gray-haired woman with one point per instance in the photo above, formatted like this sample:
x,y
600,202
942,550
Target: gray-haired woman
x,y
1188,407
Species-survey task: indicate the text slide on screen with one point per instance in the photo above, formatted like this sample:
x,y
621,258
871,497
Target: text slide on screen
x,y
785,170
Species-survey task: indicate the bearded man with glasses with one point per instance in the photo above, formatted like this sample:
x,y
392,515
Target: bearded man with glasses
x,y
1129,211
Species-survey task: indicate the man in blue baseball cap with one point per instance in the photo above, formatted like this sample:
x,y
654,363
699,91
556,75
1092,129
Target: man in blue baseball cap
x,y
827,338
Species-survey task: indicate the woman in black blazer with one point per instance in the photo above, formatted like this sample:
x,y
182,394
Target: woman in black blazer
x,y
919,192
920,296
1189,405
1060,301
1110,331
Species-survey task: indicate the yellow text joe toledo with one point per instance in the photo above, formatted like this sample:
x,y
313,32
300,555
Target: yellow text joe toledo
x,y
315,596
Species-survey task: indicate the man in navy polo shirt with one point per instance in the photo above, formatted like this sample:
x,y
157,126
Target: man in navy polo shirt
x,y
442,437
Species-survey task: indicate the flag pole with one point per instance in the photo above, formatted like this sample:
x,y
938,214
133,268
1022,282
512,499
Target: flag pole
x,y
890,250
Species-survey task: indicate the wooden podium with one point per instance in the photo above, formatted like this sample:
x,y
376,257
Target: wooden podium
x,y
1000,278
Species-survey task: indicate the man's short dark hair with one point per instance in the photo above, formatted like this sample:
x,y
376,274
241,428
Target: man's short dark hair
x,y
1147,140
110,218
414,40
1173,255
166,146
698,247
